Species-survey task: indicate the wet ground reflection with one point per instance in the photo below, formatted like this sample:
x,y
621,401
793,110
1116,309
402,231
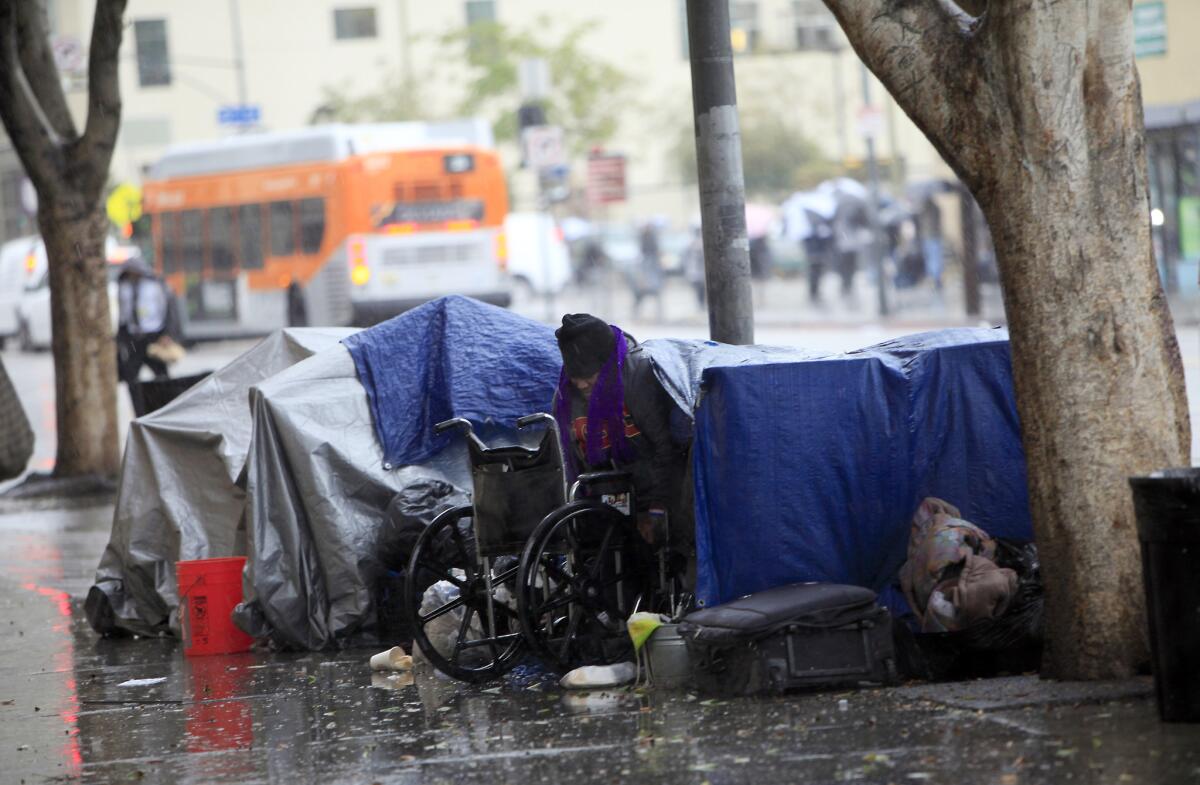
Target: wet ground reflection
x,y
326,718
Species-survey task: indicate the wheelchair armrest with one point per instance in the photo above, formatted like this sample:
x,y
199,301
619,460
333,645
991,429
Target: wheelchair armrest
x,y
592,477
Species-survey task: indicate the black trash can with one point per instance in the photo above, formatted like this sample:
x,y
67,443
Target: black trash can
x,y
157,393
1168,517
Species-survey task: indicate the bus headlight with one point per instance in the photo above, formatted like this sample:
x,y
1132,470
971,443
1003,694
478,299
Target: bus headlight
x,y
360,274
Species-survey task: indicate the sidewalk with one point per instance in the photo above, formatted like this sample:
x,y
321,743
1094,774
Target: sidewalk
x,y
324,717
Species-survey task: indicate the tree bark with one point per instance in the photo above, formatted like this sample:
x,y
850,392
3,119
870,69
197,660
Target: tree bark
x,y
69,171
1037,108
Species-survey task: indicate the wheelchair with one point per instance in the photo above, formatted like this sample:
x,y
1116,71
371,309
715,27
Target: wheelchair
x,y
532,565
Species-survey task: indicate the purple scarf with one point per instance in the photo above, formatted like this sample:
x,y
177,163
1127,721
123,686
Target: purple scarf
x,y
606,412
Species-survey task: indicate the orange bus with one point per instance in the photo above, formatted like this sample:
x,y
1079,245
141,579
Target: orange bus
x,y
333,225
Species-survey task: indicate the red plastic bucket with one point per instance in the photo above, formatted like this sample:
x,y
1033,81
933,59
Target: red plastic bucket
x,y
209,590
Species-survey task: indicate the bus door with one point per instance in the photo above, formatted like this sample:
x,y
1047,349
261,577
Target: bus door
x,y
216,297
209,277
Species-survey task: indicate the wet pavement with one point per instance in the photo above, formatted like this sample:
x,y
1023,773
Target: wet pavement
x,y
68,713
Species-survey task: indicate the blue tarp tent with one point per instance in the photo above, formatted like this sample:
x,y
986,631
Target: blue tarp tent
x,y
453,357
810,470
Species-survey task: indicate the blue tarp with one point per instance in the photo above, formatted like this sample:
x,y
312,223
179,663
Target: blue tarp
x,y
453,357
810,470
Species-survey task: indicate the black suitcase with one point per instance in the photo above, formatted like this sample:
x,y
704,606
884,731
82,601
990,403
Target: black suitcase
x,y
807,635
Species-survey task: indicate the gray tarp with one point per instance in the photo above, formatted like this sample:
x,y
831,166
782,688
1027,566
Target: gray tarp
x,y
317,491
179,496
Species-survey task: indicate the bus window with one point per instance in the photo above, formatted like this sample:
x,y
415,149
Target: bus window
x,y
312,224
169,231
191,240
283,229
220,238
250,236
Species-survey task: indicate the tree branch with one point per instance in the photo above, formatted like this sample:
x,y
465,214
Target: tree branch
x,y
37,60
104,96
931,55
32,137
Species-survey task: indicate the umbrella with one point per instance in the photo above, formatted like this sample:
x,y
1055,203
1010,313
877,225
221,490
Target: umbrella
x,y
759,218
804,211
575,228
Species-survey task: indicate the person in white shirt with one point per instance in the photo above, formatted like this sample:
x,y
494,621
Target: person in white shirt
x,y
143,308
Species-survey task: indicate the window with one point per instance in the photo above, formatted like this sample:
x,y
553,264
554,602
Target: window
x,y
351,23
191,240
250,236
168,227
814,27
743,25
312,224
220,238
150,39
283,229
480,11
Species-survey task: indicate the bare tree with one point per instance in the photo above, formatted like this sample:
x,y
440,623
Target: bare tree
x,y
69,171
1037,107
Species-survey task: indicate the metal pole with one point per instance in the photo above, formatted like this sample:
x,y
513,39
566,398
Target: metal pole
x,y
405,47
719,166
873,202
239,60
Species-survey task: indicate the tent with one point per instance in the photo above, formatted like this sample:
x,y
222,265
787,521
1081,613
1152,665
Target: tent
x,y
810,470
337,436
178,496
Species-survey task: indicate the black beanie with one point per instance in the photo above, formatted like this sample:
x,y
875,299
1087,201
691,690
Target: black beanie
x,y
586,344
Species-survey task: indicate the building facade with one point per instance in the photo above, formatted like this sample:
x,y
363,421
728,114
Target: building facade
x,y
185,66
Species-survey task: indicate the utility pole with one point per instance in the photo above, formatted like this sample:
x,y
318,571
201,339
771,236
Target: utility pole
x,y
869,133
239,59
406,68
719,169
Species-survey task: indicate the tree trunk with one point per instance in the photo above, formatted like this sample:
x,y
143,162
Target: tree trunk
x,y
85,369
1038,109
69,170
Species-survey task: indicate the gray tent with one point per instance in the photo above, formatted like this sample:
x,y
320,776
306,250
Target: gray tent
x,y
179,496
317,490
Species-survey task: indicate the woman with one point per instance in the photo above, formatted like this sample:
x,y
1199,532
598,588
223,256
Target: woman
x,y
612,411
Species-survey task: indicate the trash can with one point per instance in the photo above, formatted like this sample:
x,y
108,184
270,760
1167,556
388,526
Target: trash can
x,y
157,393
1167,504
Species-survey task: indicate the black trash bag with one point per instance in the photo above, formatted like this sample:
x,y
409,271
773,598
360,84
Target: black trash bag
x,y
411,510
1009,643
407,515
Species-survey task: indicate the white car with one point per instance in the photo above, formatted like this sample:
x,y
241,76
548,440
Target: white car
x,y
34,326
537,254
17,259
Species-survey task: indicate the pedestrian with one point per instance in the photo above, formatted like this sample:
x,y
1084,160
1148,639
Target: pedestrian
x,y
144,308
929,224
693,266
613,413
818,251
648,280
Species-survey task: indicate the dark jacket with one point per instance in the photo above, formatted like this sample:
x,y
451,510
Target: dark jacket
x,y
647,427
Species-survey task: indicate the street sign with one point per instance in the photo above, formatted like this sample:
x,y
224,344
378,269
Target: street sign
x,y
124,205
1149,29
605,178
870,122
544,146
247,114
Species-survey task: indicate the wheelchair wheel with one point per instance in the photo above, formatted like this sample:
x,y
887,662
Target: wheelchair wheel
x,y
466,626
579,578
